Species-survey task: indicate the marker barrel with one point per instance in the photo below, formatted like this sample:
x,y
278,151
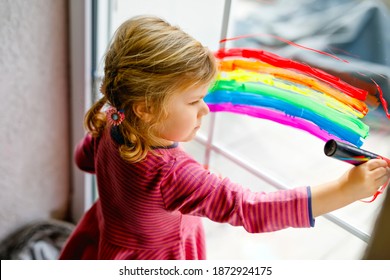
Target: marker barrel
x,y
347,152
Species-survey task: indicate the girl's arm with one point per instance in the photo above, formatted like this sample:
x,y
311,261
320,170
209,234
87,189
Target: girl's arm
x,y
190,189
84,154
359,182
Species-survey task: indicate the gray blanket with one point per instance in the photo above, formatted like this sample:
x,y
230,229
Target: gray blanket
x,y
41,240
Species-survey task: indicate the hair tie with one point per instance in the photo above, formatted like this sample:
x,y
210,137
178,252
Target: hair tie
x,y
115,117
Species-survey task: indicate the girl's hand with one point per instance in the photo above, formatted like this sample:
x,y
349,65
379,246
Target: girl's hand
x,y
359,182
364,180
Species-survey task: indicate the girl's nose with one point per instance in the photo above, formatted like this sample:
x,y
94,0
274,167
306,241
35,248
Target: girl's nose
x,y
205,109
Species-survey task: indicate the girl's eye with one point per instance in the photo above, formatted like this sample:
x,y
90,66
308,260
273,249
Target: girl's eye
x,y
194,102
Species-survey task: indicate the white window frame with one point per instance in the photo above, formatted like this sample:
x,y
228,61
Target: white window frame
x,y
82,88
80,15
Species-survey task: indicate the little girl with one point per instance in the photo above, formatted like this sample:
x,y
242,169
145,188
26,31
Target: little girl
x,y
152,194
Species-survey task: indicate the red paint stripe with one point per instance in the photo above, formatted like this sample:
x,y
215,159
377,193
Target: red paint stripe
x,y
278,61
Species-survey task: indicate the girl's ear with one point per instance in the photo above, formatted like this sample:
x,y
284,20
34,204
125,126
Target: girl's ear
x,y
142,111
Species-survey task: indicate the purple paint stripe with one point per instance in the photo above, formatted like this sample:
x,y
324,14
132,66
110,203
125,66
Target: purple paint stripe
x,y
275,116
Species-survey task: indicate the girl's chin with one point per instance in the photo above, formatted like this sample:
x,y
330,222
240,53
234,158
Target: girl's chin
x,y
190,137
187,138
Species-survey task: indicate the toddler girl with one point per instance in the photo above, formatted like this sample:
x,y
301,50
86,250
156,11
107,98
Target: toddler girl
x,y
152,194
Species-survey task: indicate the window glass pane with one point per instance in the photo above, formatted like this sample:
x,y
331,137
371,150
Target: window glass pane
x,y
344,38
202,18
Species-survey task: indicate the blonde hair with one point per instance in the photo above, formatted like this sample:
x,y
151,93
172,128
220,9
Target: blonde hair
x,y
148,61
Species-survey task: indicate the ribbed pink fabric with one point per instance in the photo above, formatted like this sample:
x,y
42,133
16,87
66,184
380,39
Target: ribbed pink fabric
x,y
152,209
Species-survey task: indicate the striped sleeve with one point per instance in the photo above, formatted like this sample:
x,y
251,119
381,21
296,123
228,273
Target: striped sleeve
x,y
84,154
191,189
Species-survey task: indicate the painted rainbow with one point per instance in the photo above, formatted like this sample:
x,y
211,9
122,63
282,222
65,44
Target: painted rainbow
x,y
264,85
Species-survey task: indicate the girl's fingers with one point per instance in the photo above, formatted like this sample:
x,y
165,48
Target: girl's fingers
x,y
376,163
383,180
382,175
379,172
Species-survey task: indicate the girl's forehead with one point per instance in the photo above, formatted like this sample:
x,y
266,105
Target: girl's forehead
x,y
197,90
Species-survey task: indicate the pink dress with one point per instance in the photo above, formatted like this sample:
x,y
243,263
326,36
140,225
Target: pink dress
x,y
153,209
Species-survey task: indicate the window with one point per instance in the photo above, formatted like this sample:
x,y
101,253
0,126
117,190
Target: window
x,y
260,154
